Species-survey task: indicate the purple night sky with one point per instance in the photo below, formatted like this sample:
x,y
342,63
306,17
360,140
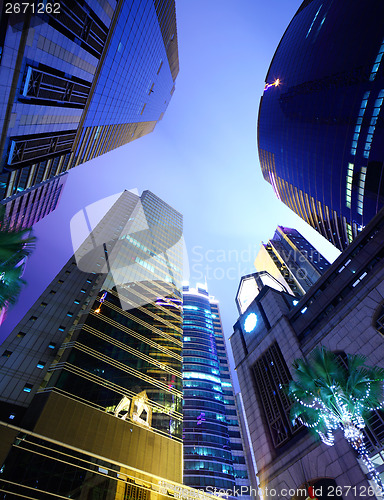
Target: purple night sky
x,y
201,159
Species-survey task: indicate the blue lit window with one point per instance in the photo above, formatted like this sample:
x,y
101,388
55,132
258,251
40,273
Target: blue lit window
x,y
377,62
304,310
12,416
359,120
69,314
52,345
371,131
27,387
202,376
40,365
76,301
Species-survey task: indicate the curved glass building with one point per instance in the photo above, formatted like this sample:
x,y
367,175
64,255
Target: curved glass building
x,y
213,449
320,125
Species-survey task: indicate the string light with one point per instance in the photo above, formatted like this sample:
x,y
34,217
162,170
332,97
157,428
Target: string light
x,y
344,412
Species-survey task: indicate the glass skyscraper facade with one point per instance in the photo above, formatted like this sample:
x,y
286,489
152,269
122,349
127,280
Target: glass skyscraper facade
x,y
213,448
80,80
320,139
292,260
91,377
28,207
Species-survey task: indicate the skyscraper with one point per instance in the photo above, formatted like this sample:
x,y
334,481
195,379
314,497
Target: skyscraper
x,y
292,260
344,312
213,447
91,382
80,78
320,139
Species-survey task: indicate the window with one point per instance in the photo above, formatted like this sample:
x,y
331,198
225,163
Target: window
x,y
52,345
70,314
43,304
76,301
12,416
272,375
60,282
39,147
47,85
6,354
33,318
52,292
81,24
89,281
61,328
21,335
82,290
40,365
380,322
27,388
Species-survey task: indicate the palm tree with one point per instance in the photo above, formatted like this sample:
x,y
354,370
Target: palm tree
x,y
15,245
330,393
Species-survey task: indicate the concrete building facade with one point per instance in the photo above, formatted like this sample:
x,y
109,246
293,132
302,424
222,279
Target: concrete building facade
x,y
344,312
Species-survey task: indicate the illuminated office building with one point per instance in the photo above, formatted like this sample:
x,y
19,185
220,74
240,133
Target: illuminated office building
x,y
213,446
91,377
292,260
320,133
80,82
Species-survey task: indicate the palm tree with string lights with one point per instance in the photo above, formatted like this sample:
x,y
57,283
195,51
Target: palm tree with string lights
x,y
329,392
15,245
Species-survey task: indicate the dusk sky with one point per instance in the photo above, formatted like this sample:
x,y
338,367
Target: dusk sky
x,y
201,159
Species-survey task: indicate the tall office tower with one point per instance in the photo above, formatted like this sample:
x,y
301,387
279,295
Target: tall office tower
x,y
320,139
80,78
213,447
292,260
344,312
31,205
91,382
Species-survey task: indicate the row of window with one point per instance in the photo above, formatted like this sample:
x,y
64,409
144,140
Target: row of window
x,y
7,353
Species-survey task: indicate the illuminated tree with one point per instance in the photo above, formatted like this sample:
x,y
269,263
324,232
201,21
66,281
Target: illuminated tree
x,y
329,394
15,245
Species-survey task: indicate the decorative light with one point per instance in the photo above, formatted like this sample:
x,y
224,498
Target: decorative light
x,y
102,298
276,83
347,417
250,322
